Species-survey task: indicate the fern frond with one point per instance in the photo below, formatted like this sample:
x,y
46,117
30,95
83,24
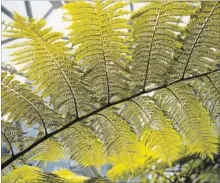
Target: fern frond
x,y
30,174
83,145
21,104
156,40
14,137
208,89
69,176
23,174
105,107
201,51
122,144
100,35
190,118
46,61
116,173
48,151
155,130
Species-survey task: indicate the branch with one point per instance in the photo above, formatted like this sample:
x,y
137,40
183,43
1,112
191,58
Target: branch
x,y
160,174
21,153
95,171
176,177
213,84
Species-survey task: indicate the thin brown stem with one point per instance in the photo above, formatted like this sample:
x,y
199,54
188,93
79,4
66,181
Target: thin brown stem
x,y
160,174
9,143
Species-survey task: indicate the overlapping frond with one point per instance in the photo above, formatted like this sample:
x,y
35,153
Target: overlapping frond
x,y
83,146
168,103
48,151
14,139
118,138
190,118
69,176
156,36
122,145
7,149
21,104
46,61
22,174
100,35
29,174
201,51
153,128
208,89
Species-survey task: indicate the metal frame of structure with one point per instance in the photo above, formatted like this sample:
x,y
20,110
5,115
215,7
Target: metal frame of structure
x,y
54,5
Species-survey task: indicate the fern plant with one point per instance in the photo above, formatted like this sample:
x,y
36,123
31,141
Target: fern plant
x,y
134,90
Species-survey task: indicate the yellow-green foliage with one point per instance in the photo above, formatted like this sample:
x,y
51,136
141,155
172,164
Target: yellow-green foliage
x,y
208,90
137,92
201,45
28,174
45,57
22,174
49,150
190,118
156,34
118,139
90,151
69,176
101,36
155,129
22,104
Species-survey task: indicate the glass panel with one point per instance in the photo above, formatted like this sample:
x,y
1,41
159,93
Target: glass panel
x,y
15,6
